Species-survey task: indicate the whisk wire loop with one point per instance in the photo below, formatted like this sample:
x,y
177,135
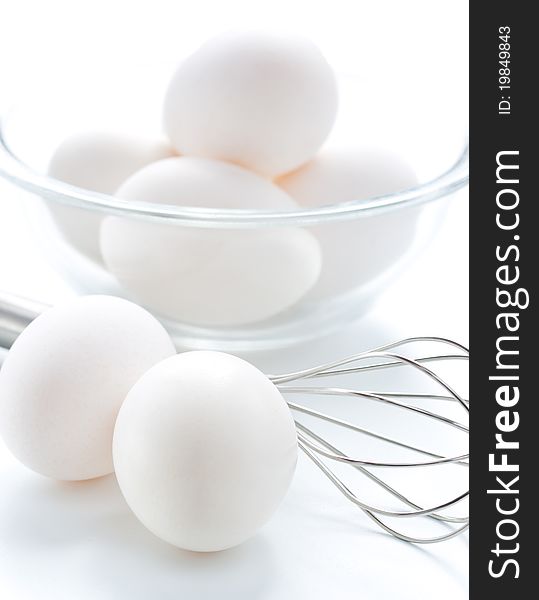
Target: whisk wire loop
x,y
321,452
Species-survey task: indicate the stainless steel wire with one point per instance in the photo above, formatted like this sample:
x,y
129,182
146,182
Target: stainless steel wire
x,y
324,453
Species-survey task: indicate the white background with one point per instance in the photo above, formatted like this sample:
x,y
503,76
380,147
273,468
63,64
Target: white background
x,y
79,541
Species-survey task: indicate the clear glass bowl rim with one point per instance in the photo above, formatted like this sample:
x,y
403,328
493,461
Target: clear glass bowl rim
x,y
19,173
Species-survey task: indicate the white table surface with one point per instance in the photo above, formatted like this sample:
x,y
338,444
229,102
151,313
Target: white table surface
x,y
67,541
79,541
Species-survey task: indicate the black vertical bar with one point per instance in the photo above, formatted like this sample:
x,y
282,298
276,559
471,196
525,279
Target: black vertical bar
x,y
504,161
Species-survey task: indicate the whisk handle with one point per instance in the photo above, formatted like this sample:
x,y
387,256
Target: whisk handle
x,y
16,313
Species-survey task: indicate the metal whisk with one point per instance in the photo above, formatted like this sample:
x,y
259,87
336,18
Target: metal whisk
x,y
16,313
322,453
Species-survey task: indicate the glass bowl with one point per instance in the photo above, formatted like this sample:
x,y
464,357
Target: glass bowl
x,y
251,300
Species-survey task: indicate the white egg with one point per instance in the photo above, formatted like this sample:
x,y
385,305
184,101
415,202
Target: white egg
x,y
213,277
100,162
65,378
355,252
264,101
204,450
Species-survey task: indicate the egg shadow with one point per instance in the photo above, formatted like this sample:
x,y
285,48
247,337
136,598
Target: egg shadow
x,y
113,551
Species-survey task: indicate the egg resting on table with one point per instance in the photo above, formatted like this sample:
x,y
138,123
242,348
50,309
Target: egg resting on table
x,y
209,276
65,377
358,250
262,100
204,450
99,161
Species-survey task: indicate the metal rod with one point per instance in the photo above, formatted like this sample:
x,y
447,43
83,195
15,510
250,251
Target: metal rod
x,y
16,313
